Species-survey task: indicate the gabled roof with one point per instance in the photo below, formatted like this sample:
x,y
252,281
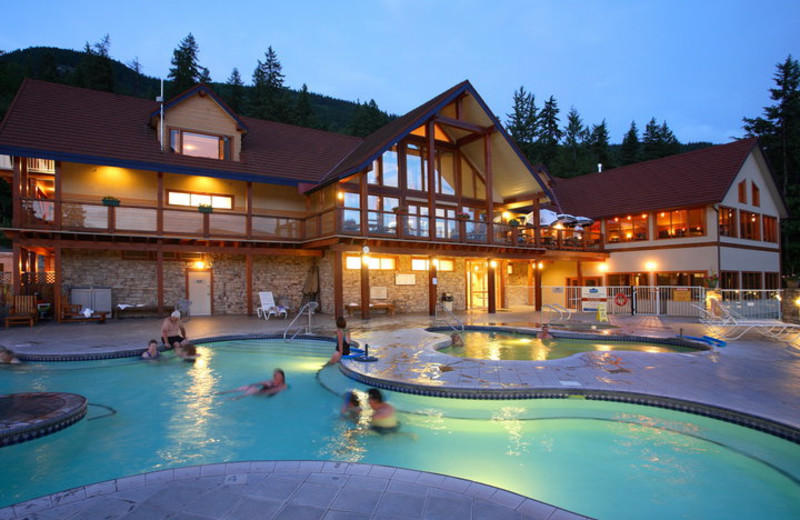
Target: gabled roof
x,y
60,122
694,178
201,89
385,137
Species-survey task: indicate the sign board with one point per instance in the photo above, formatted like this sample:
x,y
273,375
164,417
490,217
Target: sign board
x,y
592,297
682,295
602,313
405,279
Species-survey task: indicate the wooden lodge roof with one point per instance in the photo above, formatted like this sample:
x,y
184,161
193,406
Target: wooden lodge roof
x,y
60,122
694,178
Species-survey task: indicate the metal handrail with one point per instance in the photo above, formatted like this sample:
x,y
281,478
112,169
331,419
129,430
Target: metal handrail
x,y
459,328
310,307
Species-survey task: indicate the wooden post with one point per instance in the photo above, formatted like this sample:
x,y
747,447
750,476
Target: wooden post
x,y
538,286
16,199
57,284
160,208
364,287
430,130
248,274
16,271
433,284
338,284
531,267
58,195
490,285
160,277
487,165
537,223
249,224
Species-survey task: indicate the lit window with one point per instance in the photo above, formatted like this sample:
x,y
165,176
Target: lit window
x,y
756,195
421,264
375,263
184,198
199,145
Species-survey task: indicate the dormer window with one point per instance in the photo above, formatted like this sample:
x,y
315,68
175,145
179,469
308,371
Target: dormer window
x,y
196,144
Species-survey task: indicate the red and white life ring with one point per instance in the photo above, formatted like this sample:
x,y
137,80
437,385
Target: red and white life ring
x,y
620,299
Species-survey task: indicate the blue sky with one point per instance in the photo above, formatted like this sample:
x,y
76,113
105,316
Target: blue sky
x,y
698,65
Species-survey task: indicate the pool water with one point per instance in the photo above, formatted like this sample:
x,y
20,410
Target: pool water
x,y
509,346
602,459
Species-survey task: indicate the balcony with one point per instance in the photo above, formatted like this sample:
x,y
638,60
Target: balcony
x,y
131,220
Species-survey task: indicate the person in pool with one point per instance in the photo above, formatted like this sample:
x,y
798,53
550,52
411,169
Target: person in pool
x,y
351,408
7,357
384,419
187,352
455,340
152,350
269,387
342,341
173,333
544,333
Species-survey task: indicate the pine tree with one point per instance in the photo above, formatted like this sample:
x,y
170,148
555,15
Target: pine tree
x,y
367,119
522,122
629,152
669,143
205,76
303,113
185,71
235,92
599,147
549,132
651,141
95,70
573,152
269,97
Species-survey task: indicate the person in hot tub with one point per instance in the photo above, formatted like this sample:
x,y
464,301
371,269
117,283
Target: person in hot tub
x,y
384,418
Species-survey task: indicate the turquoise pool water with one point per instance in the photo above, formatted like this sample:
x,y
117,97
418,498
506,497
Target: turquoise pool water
x,y
526,347
602,459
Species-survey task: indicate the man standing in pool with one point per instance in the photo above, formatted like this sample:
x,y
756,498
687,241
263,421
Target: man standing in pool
x,y
384,419
173,333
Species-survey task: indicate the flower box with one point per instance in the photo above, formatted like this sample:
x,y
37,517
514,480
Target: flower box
x,y
110,201
205,209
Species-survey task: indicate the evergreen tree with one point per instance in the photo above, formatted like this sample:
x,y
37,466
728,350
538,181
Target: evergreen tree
x,y
573,152
599,147
549,132
48,70
269,98
185,71
235,91
522,122
367,119
779,130
779,135
95,69
205,76
669,143
630,149
303,113
651,141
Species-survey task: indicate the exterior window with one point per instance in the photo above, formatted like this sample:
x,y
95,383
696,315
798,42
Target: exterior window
x,y
199,145
416,178
382,215
743,192
749,225
771,281
189,199
770,229
727,222
680,223
417,223
729,280
351,216
756,195
446,223
375,263
384,170
751,280
628,228
421,264
693,279
627,279
445,173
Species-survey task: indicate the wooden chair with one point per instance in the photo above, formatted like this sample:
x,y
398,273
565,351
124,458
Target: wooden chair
x,y
23,311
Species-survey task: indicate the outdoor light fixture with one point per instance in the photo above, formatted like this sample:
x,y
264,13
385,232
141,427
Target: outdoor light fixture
x,y
493,264
650,266
603,267
540,265
340,195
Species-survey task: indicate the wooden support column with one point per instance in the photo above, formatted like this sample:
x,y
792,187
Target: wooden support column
x,y
430,130
248,275
58,195
249,224
364,287
433,285
16,193
490,286
57,284
16,271
503,280
537,223
580,273
160,277
487,166
537,286
338,284
160,207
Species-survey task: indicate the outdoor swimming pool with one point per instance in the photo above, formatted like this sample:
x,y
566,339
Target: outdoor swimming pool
x,y
603,459
510,346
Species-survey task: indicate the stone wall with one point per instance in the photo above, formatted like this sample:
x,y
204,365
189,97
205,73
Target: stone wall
x,y
285,276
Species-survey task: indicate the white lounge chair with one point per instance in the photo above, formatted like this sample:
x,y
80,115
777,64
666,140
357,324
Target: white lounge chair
x,y
731,325
268,308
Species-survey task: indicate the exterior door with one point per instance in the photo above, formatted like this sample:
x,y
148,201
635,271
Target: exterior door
x,y
199,290
477,287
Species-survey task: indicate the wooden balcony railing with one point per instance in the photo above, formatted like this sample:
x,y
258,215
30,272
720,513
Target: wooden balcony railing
x,y
144,220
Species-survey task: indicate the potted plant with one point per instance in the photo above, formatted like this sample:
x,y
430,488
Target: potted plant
x,y
205,208
400,210
513,222
712,282
110,200
792,280
462,215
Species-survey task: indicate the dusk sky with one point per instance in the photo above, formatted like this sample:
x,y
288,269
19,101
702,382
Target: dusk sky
x,y
698,65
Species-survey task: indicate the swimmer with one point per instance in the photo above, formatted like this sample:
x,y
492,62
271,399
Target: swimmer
x,y
384,419
187,352
7,357
455,340
152,350
545,333
351,408
268,387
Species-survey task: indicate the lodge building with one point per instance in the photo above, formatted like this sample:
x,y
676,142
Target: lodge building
x,y
189,200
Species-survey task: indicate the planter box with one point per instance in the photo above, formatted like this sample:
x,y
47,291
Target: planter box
x,y
110,202
205,210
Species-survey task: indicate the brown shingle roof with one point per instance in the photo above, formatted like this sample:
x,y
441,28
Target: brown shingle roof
x,y
73,124
693,178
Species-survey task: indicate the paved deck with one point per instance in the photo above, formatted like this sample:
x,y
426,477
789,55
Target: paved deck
x,y
751,375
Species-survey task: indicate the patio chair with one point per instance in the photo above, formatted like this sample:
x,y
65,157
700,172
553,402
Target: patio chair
x,y
268,308
731,325
23,311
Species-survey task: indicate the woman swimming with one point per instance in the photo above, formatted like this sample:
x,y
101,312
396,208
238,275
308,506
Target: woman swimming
x,y
268,387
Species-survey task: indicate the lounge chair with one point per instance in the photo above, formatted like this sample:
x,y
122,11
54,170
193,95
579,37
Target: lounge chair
x,y
731,325
23,311
268,308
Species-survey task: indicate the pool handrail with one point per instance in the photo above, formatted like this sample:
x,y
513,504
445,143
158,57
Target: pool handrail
x,y
448,313
561,310
310,307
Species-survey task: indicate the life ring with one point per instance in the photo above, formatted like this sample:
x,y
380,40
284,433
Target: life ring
x,y
620,299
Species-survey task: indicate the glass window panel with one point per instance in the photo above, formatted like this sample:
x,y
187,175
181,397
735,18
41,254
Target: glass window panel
x,y
352,200
198,199
177,198
199,145
419,264
372,174
174,140
446,177
222,202
415,168
390,172
352,262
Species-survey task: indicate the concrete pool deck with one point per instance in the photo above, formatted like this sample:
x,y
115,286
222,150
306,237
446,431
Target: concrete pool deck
x,y
750,375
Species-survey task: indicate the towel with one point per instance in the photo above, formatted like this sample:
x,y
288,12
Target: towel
x,y
87,312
